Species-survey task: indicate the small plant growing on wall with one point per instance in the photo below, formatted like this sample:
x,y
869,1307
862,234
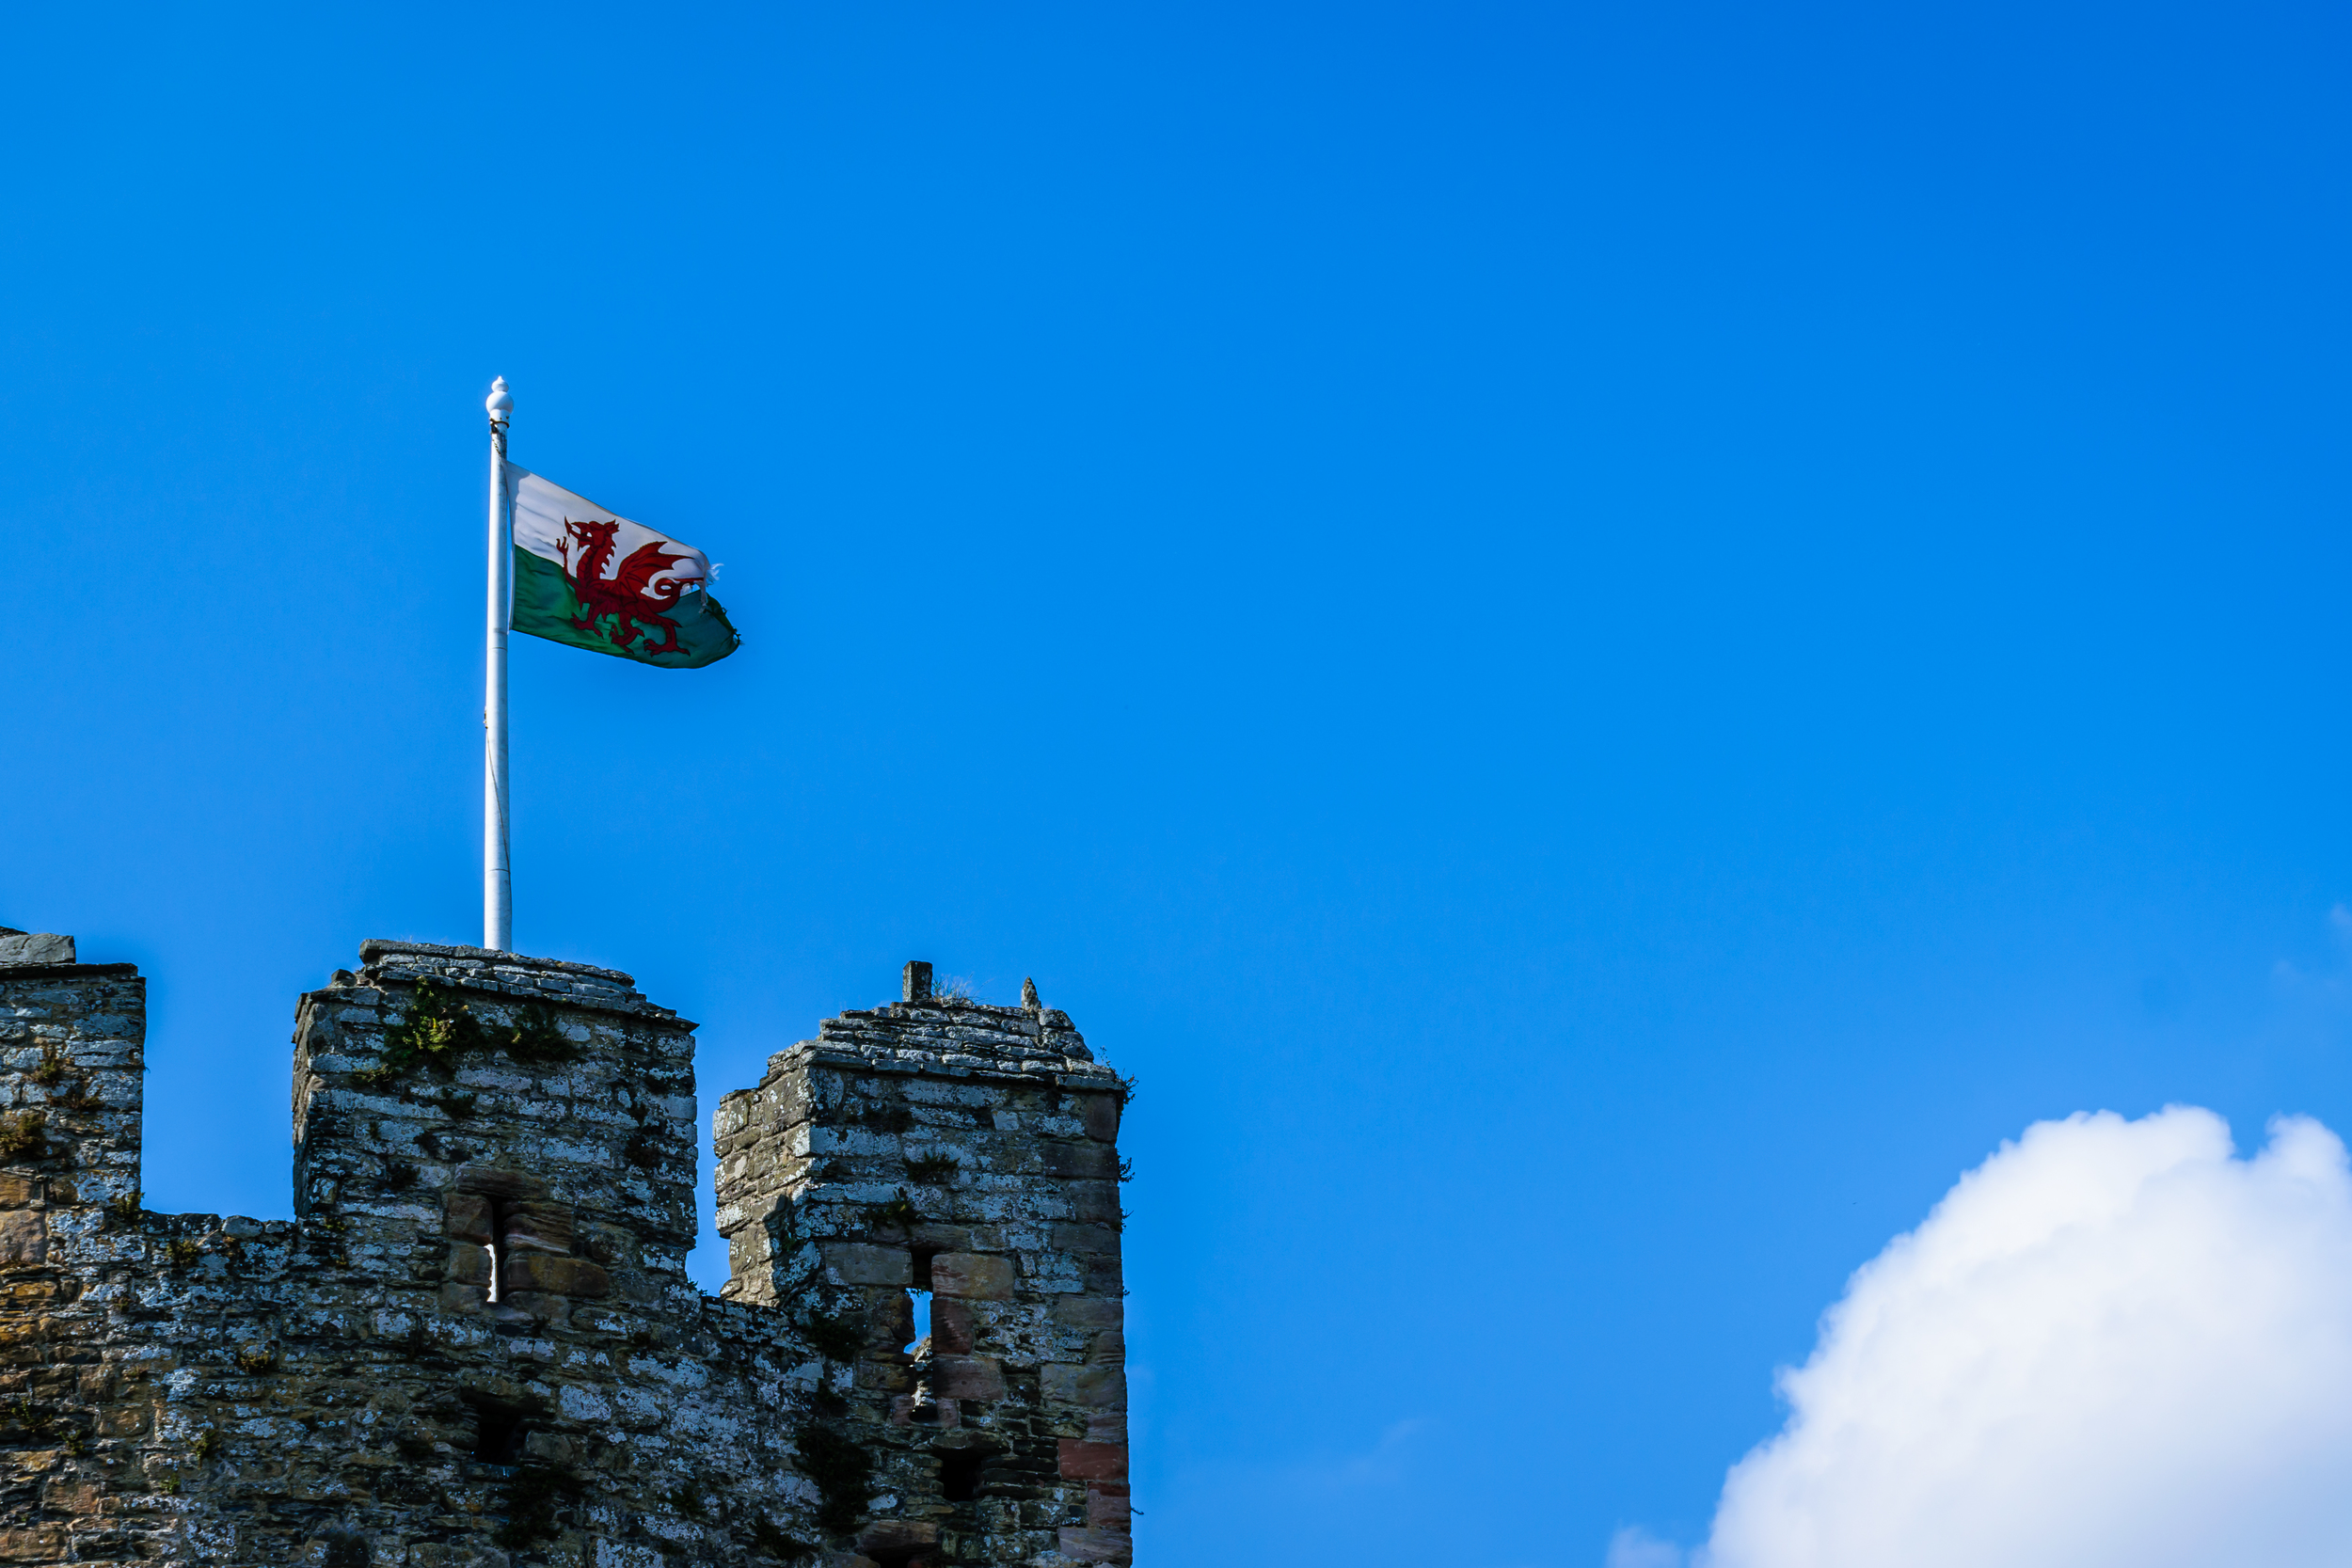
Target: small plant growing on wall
x,y
441,1029
930,1170
24,1136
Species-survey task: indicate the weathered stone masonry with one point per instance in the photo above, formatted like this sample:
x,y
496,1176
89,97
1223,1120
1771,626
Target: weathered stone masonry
x,y
476,1343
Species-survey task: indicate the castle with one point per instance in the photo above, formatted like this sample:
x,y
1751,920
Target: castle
x,y
476,1344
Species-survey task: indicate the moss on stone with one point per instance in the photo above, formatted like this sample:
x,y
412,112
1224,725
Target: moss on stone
x,y
439,1030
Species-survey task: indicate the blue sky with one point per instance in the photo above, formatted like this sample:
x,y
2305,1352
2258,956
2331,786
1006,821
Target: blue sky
x,y
1604,643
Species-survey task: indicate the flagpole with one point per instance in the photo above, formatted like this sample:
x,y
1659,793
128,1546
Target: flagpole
x,y
498,888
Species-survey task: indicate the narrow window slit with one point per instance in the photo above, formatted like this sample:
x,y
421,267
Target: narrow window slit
x,y
498,1235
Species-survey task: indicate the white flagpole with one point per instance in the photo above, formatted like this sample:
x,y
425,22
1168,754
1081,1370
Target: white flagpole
x,y
498,888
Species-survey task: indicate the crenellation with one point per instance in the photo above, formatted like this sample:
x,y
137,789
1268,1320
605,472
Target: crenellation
x,y
935,1143
476,1345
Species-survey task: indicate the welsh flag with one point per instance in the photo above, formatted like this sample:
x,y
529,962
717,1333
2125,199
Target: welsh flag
x,y
586,576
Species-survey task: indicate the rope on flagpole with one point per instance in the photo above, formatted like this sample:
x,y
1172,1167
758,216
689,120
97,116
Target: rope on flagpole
x,y
498,888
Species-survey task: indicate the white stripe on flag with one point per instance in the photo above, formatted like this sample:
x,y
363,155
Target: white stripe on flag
x,y
542,510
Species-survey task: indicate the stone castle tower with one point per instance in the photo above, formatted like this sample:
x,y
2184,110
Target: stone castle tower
x,y
476,1344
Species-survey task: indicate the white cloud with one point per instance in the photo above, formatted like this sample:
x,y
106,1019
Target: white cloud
x,y
2113,1345
1635,1547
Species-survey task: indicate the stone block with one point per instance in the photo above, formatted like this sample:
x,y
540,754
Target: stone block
x,y
883,1375
1064,1157
467,1216
566,1276
24,1238
861,1263
1093,1460
539,1228
1100,1387
123,1421
1097,1545
1108,1505
35,947
889,1318
897,1536
469,1264
951,1326
18,1191
972,1276
967,1377
39,1544
79,1500
547,1305
511,1186
553,1447
1086,1238
1090,1311
1102,1117
941,1238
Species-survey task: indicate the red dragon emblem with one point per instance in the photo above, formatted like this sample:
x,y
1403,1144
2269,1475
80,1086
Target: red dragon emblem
x,y
630,595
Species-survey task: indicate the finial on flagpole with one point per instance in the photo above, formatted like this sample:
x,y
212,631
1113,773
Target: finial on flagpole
x,y
500,402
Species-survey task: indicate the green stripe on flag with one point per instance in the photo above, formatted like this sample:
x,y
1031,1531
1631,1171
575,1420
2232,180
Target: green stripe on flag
x,y
545,606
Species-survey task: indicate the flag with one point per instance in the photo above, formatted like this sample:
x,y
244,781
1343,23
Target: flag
x,y
586,577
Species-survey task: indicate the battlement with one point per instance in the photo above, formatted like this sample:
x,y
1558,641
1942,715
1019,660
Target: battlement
x,y
476,1343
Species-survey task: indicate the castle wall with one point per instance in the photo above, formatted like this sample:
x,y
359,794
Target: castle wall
x,y
476,1344
72,1038
972,1151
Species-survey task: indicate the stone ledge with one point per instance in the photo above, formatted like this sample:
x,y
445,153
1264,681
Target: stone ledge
x,y
1091,1076
383,995
12,973
34,947
374,948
